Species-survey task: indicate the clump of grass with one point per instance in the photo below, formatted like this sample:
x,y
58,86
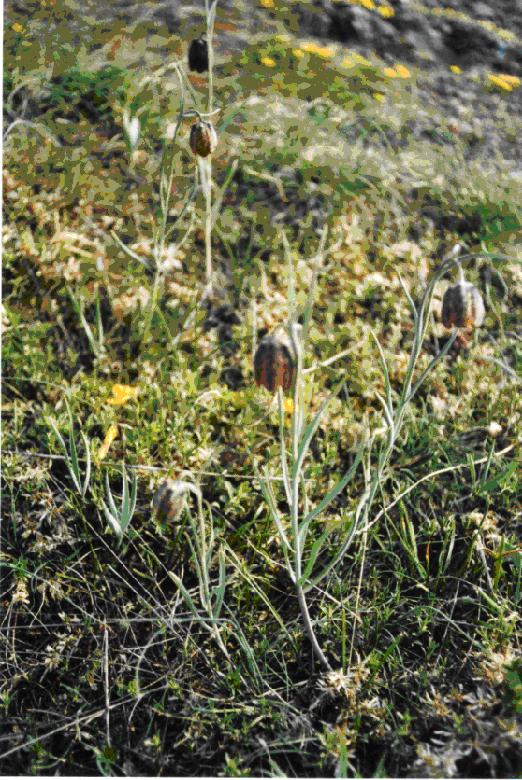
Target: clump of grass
x,y
293,535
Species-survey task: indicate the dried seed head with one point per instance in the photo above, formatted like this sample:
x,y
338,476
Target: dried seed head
x,y
462,306
275,362
203,139
198,55
169,499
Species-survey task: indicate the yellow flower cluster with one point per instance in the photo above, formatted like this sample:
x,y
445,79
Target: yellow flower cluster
x,y
268,62
121,394
325,52
266,3
17,27
397,72
386,11
455,69
504,81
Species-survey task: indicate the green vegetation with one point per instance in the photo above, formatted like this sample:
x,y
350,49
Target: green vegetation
x,y
135,645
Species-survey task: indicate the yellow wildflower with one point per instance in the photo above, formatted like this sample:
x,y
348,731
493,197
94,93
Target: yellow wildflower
x,y
386,11
111,434
513,80
369,4
121,394
325,52
288,405
266,3
402,71
17,27
297,53
268,62
398,72
455,69
506,83
378,96
498,82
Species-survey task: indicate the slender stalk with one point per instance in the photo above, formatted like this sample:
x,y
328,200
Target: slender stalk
x,y
201,552
294,506
210,11
165,191
203,548
361,570
305,615
206,164
107,689
208,219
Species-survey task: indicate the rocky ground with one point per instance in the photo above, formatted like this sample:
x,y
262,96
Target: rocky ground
x,y
477,38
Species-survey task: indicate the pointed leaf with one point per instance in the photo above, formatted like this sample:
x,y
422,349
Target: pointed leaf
x,y
314,552
125,499
308,436
270,499
384,366
88,464
112,520
185,593
331,495
58,435
110,499
134,493
220,589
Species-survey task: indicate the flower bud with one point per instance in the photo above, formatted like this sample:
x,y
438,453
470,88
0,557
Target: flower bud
x,y
169,499
198,55
462,306
131,127
275,362
203,139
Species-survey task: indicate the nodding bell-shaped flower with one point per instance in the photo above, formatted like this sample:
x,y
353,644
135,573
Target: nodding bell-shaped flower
x,y
203,138
275,361
198,55
131,128
462,306
169,499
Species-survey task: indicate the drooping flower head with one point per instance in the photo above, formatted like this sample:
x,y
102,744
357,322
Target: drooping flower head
x,y
275,361
198,55
203,138
462,306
